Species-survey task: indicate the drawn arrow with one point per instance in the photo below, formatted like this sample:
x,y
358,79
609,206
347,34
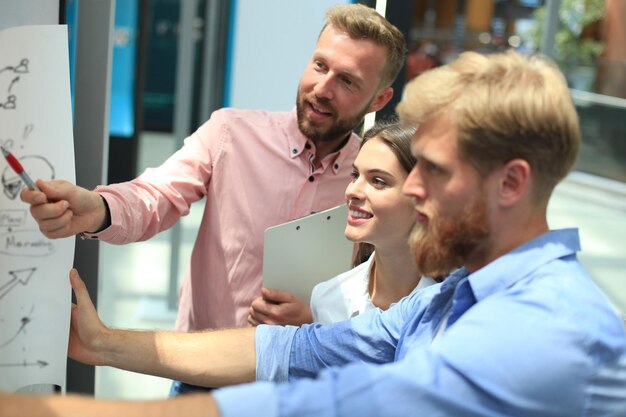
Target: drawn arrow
x,y
39,363
20,276
25,321
16,79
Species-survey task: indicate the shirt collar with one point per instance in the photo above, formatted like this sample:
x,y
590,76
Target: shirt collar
x,y
298,144
439,302
520,262
296,140
506,270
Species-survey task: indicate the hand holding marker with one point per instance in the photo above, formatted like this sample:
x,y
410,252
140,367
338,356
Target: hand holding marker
x,y
18,168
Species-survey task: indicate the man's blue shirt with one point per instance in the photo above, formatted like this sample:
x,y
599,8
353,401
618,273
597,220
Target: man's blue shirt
x,y
527,335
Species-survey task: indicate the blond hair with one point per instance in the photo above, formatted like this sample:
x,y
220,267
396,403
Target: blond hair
x,y
504,106
362,22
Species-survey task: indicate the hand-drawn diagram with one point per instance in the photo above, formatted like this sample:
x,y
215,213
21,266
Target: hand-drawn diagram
x,y
38,167
12,336
12,218
38,363
27,243
36,126
13,331
9,86
19,277
22,329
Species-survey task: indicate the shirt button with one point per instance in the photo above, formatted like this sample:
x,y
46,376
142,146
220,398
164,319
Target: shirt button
x,y
294,150
311,178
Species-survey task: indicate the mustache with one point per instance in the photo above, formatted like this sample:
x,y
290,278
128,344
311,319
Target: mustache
x,y
447,243
321,101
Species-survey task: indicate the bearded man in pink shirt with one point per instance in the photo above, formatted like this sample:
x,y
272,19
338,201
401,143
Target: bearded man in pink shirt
x,y
256,169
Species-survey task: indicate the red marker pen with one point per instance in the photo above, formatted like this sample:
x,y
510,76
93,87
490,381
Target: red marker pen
x,y
18,168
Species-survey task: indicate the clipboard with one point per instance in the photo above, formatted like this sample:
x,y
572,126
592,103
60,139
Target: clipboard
x,y
303,252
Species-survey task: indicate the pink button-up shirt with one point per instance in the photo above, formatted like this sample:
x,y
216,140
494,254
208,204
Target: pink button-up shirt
x,y
253,168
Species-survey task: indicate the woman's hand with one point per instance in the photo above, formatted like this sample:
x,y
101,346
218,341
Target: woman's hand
x,y
278,307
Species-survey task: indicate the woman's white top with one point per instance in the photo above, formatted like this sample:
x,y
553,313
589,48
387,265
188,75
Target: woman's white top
x,y
346,295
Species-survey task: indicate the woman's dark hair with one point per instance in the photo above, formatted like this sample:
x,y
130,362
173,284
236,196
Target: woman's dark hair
x,y
398,138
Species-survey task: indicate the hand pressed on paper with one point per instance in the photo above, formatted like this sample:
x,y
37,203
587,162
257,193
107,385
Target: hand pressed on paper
x,y
278,307
87,332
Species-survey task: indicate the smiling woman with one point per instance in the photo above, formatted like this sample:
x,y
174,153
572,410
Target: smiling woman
x,y
380,220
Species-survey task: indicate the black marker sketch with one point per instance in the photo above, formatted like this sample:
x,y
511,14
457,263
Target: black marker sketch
x,y
31,345
10,103
12,218
8,143
20,276
25,321
25,363
15,80
28,129
21,68
11,185
28,243
35,165
39,363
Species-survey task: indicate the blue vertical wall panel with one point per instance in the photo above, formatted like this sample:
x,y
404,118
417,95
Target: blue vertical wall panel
x,y
122,122
71,18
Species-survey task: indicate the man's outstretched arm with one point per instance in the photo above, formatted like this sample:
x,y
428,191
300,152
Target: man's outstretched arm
x,y
209,358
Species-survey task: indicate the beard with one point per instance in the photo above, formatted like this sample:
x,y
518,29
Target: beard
x,y
337,130
448,242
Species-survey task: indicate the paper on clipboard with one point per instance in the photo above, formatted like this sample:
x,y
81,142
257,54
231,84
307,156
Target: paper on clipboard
x,y
301,253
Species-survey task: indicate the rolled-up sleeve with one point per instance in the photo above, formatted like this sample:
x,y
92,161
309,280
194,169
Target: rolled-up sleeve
x,y
340,356
256,399
285,353
273,346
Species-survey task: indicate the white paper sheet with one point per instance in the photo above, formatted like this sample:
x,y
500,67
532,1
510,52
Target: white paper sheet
x,y
36,126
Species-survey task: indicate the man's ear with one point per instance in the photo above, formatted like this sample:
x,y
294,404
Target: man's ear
x,y
381,99
514,181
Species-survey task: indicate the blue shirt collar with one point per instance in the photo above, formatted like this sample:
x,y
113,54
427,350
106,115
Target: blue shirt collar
x,y
503,272
521,261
